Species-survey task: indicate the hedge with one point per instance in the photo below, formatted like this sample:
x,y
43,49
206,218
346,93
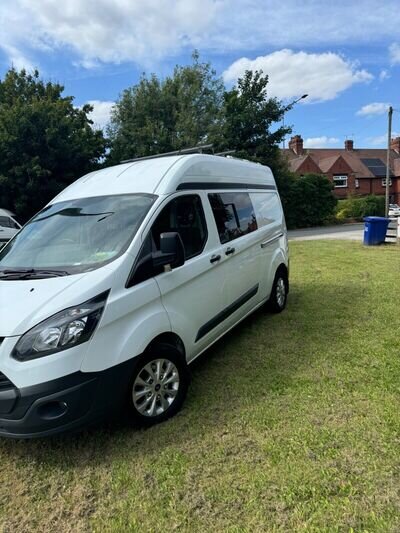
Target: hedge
x,y
358,208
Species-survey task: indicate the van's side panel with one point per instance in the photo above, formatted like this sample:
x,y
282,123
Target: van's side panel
x,y
271,247
242,285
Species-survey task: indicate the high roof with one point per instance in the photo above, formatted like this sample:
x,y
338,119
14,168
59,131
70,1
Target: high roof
x,y
163,175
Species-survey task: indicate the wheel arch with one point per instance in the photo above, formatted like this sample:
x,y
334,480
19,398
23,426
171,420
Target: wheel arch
x,y
168,337
283,269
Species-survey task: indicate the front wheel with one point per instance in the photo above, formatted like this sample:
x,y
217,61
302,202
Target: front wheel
x,y
277,300
159,385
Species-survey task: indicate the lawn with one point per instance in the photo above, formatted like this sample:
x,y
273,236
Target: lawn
x,y
291,424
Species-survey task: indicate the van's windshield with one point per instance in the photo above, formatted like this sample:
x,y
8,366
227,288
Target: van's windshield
x,y
74,236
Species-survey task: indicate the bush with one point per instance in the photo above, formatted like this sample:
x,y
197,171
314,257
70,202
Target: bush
x,y
358,208
308,201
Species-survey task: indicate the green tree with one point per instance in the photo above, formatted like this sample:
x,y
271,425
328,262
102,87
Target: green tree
x,y
248,120
45,142
156,116
251,123
311,201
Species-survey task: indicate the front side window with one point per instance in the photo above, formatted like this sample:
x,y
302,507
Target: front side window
x,y
340,181
234,214
183,215
77,235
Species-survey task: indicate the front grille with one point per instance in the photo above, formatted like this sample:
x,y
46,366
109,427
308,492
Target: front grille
x,y
5,383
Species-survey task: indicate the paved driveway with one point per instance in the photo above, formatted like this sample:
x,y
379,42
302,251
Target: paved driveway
x,y
353,232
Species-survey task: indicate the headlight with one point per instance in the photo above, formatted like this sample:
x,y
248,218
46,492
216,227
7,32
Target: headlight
x,y
67,328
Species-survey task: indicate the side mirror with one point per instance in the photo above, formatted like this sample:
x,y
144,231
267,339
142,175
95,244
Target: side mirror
x,y
172,251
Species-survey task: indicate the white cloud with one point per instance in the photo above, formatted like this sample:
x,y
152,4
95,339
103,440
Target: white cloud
x,y
132,30
394,53
376,108
112,31
101,112
380,141
384,75
17,59
291,74
320,142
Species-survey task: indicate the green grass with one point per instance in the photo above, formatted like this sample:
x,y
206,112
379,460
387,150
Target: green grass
x,y
291,424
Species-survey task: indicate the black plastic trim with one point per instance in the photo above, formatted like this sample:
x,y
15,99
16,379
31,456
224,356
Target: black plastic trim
x,y
225,313
82,393
203,186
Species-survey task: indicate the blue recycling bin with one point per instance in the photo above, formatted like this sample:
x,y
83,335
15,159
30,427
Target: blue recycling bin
x,y
375,229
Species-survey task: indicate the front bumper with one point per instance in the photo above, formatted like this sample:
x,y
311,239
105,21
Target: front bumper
x,y
65,404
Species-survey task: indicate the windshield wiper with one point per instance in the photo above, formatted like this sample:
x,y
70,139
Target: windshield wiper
x,y
31,273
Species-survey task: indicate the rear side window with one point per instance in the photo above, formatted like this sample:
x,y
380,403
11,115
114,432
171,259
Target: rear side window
x,y
267,208
234,214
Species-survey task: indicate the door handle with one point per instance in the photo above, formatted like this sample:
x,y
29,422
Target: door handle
x,y
229,251
215,258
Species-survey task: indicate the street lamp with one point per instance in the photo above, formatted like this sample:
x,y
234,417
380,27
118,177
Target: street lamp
x,y
288,108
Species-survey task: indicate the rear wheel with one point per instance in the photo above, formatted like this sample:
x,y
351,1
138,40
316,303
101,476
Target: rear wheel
x,y
159,385
277,300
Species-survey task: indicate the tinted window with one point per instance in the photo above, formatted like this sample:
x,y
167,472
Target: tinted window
x,y
234,214
267,208
184,215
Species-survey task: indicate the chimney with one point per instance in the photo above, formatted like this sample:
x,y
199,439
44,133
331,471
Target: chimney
x,y
296,144
395,144
349,145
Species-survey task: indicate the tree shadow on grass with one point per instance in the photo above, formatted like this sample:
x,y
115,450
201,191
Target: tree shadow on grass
x,y
263,353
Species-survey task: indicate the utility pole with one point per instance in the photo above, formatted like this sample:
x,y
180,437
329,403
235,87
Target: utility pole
x,y
390,114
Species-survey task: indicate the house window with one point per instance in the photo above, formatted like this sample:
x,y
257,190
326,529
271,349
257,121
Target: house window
x,y
384,182
357,183
340,181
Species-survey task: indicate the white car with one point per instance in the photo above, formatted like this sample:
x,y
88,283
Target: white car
x,y
394,210
125,278
8,226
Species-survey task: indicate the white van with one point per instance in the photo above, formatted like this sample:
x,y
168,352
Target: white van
x,y
8,226
125,278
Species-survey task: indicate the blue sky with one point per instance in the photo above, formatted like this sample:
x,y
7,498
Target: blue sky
x,y
345,55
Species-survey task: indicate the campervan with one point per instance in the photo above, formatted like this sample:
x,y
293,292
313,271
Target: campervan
x,y
127,276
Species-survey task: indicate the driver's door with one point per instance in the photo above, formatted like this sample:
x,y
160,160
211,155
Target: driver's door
x,y
191,293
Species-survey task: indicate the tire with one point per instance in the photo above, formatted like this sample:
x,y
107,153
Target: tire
x,y
158,386
278,298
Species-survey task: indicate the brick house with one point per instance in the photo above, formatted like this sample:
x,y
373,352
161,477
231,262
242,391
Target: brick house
x,y
356,172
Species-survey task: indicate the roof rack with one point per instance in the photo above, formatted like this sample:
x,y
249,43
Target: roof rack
x,y
227,152
194,150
